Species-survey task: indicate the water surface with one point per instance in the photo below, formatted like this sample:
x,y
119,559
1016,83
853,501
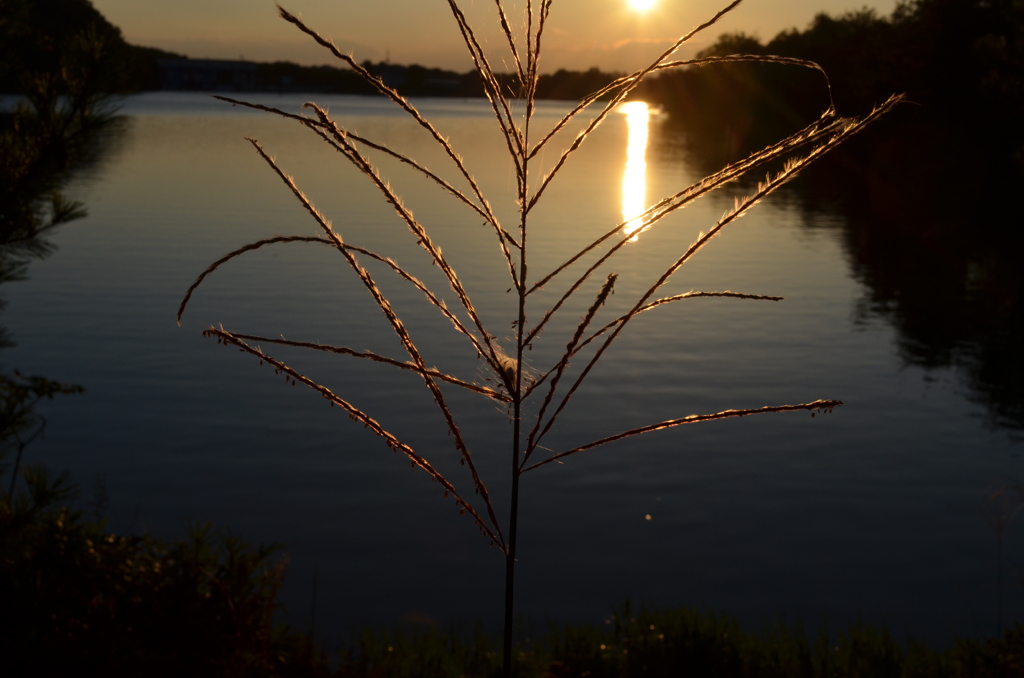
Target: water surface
x,y
877,510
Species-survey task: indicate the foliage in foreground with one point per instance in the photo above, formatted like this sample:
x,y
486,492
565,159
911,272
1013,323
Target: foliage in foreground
x,y
79,600
683,642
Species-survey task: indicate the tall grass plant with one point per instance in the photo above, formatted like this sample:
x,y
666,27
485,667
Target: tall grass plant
x,y
533,397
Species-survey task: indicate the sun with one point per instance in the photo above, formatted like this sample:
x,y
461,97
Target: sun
x,y
641,5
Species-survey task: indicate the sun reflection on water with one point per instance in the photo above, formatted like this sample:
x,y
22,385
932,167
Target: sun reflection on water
x,y
634,178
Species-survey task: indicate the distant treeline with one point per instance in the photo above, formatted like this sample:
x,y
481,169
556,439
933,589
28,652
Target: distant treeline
x,y
960,61
180,73
44,39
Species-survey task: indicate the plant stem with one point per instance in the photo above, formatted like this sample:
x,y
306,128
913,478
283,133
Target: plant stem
x,y
517,403
510,559
513,521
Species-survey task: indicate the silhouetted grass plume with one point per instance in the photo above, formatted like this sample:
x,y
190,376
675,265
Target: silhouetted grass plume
x,y
535,396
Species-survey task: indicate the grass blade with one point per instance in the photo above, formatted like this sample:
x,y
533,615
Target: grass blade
x,y
817,405
370,355
237,253
688,295
559,369
396,324
391,94
358,415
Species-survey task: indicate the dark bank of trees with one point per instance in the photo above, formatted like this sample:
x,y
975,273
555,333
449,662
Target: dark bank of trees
x,y
66,48
961,62
70,49
419,81
411,80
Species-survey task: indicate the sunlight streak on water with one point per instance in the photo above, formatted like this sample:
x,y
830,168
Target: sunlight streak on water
x,y
634,178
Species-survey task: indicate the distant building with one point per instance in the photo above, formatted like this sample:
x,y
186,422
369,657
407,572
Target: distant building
x,y
208,75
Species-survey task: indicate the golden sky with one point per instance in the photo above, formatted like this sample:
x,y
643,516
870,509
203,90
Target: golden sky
x,y
609,34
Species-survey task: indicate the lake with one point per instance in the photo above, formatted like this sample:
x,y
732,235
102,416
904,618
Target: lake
x,y
877,511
